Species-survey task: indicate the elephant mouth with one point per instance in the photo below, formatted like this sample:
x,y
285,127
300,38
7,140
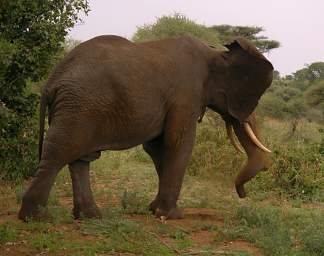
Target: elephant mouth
x,y
251,135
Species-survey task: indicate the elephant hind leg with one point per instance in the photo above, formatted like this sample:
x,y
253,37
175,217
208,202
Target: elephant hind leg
x,y
38,192
84,203
58,150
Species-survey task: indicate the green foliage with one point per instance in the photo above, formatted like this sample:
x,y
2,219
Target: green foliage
x,y
7,234
213,154
315,95
311,73
18,144
125,236
46,241
273,106
32,34
263,226
134,202
298,170
297,162
311,235
277,232
174,26
300,95
227,33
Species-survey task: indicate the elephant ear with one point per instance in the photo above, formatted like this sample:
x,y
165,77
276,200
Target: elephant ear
x,y
249,75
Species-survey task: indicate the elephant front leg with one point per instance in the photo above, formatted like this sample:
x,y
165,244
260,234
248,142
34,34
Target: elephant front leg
x,y
83,200
155,149
177,147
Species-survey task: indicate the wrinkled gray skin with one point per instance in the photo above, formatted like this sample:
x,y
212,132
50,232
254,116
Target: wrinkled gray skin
x,y
111,94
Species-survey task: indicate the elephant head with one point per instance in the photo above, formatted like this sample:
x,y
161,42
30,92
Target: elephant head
x,y
239,77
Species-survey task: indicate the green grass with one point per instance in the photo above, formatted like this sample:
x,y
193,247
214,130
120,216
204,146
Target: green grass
x,y
123,235
46,241
278,232
7,234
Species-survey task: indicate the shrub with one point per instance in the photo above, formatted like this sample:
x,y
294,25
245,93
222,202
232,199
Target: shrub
x,y
18,140
298,170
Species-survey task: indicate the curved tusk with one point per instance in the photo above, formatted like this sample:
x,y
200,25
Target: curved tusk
x,y
232,139
252,136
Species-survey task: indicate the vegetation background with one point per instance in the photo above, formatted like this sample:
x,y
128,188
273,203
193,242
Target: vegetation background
x,y
284,214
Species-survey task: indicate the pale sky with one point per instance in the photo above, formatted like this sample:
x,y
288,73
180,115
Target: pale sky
x,y
297,24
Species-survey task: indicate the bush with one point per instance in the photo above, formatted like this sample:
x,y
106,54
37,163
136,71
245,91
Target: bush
x,y
298,170
18,145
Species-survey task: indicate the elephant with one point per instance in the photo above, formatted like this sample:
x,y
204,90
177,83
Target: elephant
x,y
109,93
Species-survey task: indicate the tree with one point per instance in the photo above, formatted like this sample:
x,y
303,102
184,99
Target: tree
x,y
178,25
300,95
174,26
227,33
32,34
310,73
315,95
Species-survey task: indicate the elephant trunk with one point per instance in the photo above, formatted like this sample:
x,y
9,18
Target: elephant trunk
x,y
248,137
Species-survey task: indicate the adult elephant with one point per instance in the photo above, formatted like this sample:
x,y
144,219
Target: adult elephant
x,y
111,94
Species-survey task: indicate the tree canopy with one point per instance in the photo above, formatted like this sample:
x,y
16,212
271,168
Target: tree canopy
x,y
179,25
174,26
227,33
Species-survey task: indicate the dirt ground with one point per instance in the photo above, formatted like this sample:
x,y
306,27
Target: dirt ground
x,y
194,217
196,234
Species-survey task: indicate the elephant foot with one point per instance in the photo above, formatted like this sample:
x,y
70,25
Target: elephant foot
x,y
31,211
170,214
154,205
240,191
89,212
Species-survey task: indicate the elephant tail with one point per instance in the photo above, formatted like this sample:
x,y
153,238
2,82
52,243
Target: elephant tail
x,y
42,113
